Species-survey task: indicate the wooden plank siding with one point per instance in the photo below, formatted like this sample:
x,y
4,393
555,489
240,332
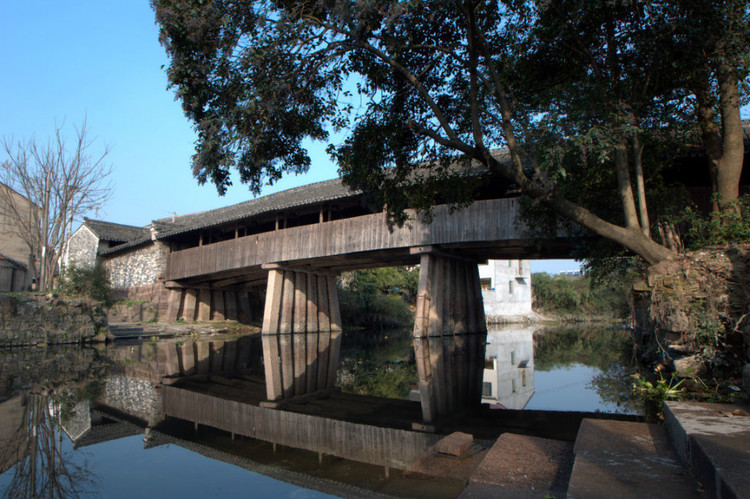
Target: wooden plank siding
x,y
484,221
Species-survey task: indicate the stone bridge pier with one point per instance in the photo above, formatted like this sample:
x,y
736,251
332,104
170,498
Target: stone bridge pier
x,y
302,333
450,333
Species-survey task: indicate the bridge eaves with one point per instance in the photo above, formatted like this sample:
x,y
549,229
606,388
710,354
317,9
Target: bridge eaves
x,y
306,195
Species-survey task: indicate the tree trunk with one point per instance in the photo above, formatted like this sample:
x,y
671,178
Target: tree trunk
x,y
625,188
631,238
725,150
733,148
641,186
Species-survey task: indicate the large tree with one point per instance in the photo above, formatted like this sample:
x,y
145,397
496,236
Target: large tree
x,y
619,87
62,179
428,90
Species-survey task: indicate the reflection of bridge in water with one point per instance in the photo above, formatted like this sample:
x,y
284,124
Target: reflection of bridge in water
x,y
206,396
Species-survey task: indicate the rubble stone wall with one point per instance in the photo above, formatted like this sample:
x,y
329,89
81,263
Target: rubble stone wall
x,y
82,248
46,319
141,266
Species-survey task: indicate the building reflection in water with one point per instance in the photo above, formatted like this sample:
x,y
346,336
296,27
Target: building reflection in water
x,y
508,381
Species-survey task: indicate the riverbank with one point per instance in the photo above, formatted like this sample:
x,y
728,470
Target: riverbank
x,y
554,318
47,319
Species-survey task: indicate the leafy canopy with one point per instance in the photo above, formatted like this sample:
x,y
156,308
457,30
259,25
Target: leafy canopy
x,y
428,89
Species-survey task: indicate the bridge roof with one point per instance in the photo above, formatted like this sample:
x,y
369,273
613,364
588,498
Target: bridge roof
x,y
306,195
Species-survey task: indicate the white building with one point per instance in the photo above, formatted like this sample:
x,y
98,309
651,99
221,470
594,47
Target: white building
x,y
506,289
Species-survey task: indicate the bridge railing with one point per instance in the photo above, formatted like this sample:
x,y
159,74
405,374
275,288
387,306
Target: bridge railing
x,y
483,221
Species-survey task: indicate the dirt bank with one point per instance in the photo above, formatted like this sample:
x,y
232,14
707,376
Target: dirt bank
x,y
691,315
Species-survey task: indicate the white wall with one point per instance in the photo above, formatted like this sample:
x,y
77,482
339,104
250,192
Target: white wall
x,y
510,283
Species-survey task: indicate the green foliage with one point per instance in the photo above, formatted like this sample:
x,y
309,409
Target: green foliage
x,y
730,225
653,395
578,296
378,297
591,346
392,380
426,90
89,282
378,363
613,385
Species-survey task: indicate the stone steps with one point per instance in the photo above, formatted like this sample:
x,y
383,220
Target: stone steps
x,y
627,460
126,330
521,466
714,441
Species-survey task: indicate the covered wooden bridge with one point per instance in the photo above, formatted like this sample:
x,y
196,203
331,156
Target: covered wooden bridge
x,y
297,241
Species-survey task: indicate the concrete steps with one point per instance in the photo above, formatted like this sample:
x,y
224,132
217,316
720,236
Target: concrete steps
x,y
521,466
702,450
714,441
627,460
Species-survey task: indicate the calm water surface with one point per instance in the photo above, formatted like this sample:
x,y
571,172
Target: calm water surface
x,y
88,422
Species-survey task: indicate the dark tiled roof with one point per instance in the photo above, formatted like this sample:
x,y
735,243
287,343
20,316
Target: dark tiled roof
x,y
320,192
117,233
130,244
6,261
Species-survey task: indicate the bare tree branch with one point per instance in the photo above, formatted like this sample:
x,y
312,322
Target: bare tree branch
x,y
62,182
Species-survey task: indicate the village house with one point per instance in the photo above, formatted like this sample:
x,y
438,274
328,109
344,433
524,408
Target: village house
x,y
16,256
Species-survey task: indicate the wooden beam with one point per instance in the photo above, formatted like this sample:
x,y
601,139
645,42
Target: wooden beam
x,y
299,267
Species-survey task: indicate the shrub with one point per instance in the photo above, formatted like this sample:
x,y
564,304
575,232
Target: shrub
x,y
378,297
90,282
578,296
728,226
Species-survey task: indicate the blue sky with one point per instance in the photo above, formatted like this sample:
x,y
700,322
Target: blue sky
x,y
102,61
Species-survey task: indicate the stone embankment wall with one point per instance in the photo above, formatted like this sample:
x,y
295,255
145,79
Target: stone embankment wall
x,y
47,319
140,311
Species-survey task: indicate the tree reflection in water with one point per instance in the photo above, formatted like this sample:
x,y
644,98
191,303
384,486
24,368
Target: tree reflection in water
x,y
42,469
608,349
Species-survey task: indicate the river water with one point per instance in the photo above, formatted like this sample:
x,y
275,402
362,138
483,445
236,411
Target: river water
x,y
90,422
